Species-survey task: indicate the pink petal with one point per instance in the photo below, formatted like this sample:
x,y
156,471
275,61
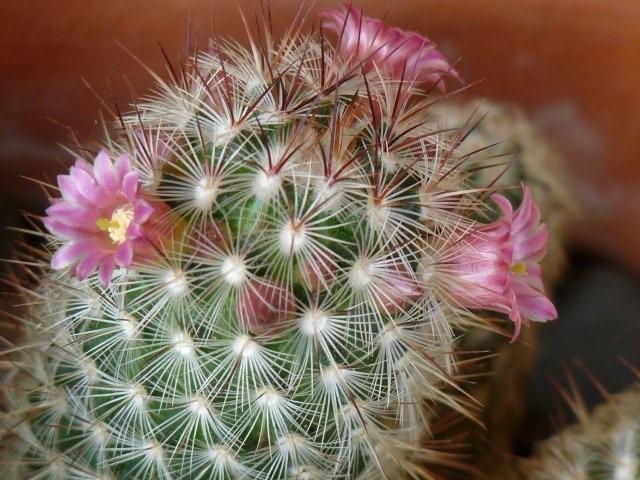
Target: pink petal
x,y
503,204
398,291
318,272
122,166
61,230
130,185
105,173
537,308
124,254
533,277
532,302
67,255
134,230
527,216
86,185
69,190
516,317
475,296
89,264
491,278
142,211
63,209
532,247
84,165
73,216
106,269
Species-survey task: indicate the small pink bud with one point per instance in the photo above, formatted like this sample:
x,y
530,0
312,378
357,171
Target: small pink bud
x,y
263,305
212,235
317,273
400,290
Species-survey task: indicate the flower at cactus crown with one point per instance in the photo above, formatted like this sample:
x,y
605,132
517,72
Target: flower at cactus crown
x,y
496,266
100,218
370,41
263,305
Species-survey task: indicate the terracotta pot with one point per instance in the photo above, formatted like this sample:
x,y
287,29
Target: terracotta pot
x,y
571,64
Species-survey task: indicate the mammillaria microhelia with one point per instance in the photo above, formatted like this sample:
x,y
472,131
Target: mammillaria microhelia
x,y
297,317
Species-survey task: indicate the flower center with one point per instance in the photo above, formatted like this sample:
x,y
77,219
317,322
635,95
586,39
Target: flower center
x,y
118,224
519,268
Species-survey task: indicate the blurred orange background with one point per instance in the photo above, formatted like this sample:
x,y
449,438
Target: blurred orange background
x,y
573,65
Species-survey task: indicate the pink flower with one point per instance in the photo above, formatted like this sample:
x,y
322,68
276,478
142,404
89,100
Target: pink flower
x,y
496,266
371,41
100,218
263,305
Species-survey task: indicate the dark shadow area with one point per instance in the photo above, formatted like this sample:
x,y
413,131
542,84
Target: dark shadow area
x,y
597,330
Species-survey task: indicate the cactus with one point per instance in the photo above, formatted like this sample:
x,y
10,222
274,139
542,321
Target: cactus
x,y
603,445
263,274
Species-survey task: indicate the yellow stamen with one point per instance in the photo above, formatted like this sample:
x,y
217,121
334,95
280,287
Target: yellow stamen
x,y
118,224
102,224
519,268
